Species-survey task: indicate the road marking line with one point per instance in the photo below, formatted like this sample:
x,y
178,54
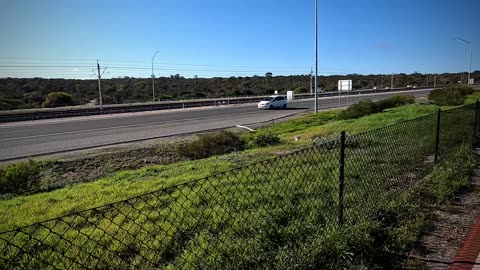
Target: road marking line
x,y
18,131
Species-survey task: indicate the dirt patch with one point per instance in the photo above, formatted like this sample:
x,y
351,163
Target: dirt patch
x,y
448,228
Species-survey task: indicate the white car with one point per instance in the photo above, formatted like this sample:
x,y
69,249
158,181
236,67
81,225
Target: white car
x,y
273,102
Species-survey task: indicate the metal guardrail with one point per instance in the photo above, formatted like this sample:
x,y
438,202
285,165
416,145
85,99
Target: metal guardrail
x,y
166,105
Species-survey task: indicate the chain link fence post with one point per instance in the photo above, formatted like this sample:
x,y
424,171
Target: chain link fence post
x,y
474,139
437,138
341,178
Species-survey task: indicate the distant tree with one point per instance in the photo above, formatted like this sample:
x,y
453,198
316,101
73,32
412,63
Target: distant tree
x,y
300,90
268,74
58,99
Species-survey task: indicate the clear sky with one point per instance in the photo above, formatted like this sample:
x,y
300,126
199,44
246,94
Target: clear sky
x,y
235,38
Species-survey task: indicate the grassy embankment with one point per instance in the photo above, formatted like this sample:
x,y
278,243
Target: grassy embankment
x,y
125,184
294,209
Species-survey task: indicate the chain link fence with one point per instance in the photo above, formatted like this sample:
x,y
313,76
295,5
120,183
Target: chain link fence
x,y
281,213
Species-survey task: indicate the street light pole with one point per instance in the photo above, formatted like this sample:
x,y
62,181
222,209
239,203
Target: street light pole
x,y
153,78
311,79
470,64
470,68
316,56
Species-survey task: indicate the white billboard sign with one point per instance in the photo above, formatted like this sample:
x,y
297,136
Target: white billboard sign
x,y
290,95
345,85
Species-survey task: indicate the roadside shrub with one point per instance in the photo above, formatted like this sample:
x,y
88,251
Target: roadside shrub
x,y
368,107
262,139
4,106
364,107
300,90
58,99
395,101
465,90
211,144
10,104
20,177
450,96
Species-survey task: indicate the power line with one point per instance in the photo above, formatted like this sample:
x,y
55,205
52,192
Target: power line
x,y
145,62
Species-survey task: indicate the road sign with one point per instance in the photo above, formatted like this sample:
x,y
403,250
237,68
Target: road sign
x,y
345,85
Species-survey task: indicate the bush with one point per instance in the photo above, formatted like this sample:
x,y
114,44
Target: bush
x,y
58,99
10,104
20,178
210,144
465,90
395,101
300,90
364,107
369,107
262,139
450,96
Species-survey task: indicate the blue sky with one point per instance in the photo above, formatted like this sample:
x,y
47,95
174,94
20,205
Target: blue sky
x,y
235,38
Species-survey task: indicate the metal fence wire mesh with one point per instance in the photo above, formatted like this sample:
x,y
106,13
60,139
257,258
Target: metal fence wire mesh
x,y
273,214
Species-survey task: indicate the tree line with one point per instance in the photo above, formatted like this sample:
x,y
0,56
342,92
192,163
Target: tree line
x,y
18,93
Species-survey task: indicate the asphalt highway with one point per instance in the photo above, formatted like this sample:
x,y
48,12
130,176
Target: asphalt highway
x,y
41,138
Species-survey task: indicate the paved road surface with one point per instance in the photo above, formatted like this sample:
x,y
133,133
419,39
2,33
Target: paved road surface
x,y
29,139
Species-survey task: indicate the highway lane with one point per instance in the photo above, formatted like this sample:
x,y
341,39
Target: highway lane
x,y
28,139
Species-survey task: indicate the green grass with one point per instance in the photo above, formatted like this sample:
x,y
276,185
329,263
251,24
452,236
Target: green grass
x,y
473,98
279,213
23,210
327,124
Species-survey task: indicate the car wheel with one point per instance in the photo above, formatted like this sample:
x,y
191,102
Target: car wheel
x,y
284,106
271,107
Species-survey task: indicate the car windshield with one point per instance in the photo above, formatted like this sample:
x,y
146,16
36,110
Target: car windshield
x,y
268,99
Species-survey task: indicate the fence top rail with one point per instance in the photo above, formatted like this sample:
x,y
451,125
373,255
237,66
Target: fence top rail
x,y
315,145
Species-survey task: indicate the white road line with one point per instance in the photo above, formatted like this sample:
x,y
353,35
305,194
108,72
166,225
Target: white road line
x,y
18,131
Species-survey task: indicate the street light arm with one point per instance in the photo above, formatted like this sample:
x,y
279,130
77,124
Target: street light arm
x,y
470,68
154,55
461,39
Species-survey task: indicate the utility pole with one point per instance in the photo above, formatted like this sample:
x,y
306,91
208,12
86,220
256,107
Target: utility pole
x,y
316,56
434,80
391,85
381,85
427,80
153,79
100,84
311,78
